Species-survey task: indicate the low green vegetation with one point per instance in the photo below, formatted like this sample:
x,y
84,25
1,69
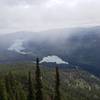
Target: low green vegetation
x,y
26,81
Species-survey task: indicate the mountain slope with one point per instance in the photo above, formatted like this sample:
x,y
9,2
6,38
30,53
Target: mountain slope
x,y
75,84
78,46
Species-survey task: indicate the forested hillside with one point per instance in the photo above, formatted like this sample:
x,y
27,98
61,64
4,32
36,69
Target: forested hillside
x,y
26,81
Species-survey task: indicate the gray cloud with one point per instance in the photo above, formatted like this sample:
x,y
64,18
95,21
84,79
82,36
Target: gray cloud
x,y
21,2
37,15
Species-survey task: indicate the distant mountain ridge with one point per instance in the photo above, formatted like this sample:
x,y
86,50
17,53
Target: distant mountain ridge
x,y
78,46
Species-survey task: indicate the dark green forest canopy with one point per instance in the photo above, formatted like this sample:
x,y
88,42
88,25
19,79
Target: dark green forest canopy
x,y
74,84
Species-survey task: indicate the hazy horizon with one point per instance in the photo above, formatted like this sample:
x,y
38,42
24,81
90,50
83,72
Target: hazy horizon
x,y
41,15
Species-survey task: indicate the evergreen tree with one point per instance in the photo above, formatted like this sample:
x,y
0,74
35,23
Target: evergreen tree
x,y
38,84
3,92
57,86
30,88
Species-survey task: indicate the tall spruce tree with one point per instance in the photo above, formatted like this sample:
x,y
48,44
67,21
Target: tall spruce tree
x,y
57,86
38,83
30,88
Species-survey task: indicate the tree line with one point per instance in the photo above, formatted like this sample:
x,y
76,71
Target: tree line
x,y
11,89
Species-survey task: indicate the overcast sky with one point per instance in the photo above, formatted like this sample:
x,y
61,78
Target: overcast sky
x,y
38,15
